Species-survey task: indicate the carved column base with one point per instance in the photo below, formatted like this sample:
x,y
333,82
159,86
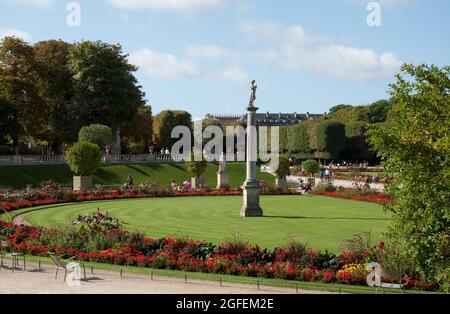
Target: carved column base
x,y
251,207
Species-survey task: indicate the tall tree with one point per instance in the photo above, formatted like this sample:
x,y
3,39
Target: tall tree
x,y
18,91
164,123
330,139
416,147
298,139
138,132
56,91
357,148
378,111
105,89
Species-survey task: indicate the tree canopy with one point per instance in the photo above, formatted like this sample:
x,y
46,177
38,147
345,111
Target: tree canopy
x,y
105,89
415,146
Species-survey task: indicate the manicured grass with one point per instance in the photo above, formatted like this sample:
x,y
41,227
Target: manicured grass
x,y
19,176
321,222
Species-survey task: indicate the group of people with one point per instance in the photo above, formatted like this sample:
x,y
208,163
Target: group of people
x,y
163,151
326,172
186,186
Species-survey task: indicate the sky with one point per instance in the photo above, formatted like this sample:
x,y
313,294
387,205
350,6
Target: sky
x,y
200,55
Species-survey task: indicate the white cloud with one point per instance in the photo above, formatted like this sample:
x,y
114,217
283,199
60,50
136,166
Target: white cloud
x,y
208,51
34,3
235,74
163,65
183,6
294,49
4,32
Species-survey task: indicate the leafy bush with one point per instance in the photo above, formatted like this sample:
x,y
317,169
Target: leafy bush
x,y
283,169
84,158
96,134
310,166
197,168
331,139
326,186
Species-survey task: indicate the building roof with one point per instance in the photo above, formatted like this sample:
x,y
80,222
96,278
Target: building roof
x,y
270,119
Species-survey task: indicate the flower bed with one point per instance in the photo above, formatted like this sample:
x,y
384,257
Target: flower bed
x,y
50,194
350,194
239,258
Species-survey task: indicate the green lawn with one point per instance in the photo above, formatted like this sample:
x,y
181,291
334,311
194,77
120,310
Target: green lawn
x,y
321,222
19,176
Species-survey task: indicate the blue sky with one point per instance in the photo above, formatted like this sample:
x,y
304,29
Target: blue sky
x,y
199,55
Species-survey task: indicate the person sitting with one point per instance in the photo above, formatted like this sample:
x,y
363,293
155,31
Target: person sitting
x,y
129,184
174,186
187,185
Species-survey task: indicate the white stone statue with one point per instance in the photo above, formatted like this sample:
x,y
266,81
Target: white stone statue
x,y
222,163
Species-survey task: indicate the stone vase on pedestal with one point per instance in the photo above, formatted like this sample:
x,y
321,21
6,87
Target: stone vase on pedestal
x,y
81,183
197,183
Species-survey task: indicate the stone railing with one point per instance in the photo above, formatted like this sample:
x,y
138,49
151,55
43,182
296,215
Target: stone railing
x,y
11,160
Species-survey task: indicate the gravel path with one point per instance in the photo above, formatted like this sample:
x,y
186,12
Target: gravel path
x,y
338,183
104,282
20,220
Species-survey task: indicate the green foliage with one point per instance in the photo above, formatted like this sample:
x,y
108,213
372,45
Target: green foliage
x,y
283,138
330,139
197,168
357,147
138,133
21,105
283,169
163,124
105,89
416,148
298,139
337,108
378,111
350,114
98,134
84,158
55,87
310,166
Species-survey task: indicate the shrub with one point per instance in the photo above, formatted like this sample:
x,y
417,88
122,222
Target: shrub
x,y
310,166
197,168
98,134
84,158
295,251
283,167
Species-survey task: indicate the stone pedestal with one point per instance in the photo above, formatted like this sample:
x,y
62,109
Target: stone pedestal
x,y
197,183
251,207
81,183
281,183
223,180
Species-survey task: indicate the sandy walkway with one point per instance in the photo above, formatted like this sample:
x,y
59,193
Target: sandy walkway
x,y
103,282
